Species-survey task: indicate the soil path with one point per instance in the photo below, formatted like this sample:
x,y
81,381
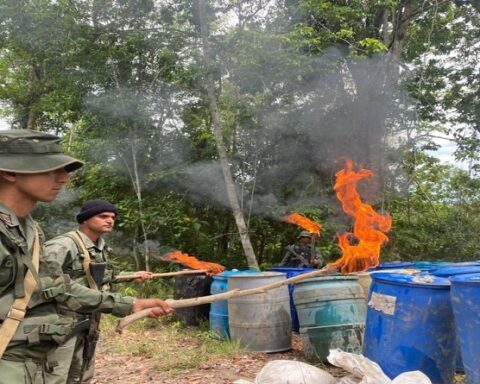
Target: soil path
x,y
124,368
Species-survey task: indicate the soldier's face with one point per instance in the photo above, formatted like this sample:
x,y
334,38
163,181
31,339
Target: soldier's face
x,y
40,186
101,223
305,240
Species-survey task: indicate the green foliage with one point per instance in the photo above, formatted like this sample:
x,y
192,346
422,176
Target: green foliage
x,y
122,81
439,218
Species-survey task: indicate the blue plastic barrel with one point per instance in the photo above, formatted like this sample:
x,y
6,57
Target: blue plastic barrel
x,y
429,265
218,315
457,269
410,326
395,265
460,269
465,297
291,272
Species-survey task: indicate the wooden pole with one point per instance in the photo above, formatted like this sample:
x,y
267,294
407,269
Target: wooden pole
x,y
163,274
222,296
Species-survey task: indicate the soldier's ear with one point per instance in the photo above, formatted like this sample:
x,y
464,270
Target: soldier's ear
x,y
8,176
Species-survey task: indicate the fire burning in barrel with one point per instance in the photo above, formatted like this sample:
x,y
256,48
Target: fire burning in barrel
x,y
368,228
193,263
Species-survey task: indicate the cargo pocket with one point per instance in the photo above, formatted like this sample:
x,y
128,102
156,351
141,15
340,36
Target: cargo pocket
x,y
34,373
45,328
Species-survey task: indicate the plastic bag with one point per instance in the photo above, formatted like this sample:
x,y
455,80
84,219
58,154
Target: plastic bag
x,y
292,372
366,371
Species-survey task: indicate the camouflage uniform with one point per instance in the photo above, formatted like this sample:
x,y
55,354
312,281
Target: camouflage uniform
x,y
63,249
300,255
32,350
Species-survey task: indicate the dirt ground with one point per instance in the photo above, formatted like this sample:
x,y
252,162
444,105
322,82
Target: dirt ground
x,y
114,366
124,368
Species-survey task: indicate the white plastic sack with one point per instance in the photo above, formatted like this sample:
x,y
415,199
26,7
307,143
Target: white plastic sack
x,y
366,371
293,372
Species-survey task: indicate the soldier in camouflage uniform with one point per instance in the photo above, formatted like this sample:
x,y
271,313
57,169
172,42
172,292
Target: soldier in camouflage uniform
x,y
96,217
32,169
301,255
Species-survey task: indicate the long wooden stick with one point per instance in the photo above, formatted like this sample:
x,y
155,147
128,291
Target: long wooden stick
x,y
163,274
222,296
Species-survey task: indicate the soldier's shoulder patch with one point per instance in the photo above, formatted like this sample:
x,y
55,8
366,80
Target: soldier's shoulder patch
x,y
7,219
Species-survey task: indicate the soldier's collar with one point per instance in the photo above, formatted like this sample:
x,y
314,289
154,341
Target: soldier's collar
x,y
8,216
99,244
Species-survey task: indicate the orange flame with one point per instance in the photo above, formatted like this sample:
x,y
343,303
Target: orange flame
x,y
307,224
192,262
368,226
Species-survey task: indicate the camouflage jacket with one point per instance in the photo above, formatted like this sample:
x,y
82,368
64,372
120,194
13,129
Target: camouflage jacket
x,y
44,325
65,251
299,256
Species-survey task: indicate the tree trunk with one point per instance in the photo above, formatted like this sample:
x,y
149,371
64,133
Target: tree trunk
x,y
222,152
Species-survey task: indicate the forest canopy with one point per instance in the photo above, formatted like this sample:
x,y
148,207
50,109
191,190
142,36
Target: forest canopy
x,y
195,116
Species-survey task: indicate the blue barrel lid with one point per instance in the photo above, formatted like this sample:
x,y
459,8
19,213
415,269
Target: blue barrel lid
x,y
471,278
467,263
420,280
429,265
456,270
395,264
290,269
232,272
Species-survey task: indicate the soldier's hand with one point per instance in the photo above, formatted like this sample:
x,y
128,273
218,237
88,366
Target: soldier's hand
x,y
143,275
157,307
314,261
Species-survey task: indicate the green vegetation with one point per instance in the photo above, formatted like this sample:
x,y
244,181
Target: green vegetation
x,y
298,84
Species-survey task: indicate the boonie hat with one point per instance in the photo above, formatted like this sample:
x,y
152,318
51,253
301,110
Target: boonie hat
x,y
28,151
304,234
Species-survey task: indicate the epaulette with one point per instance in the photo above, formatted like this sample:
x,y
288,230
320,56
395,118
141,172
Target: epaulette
x,y
6,218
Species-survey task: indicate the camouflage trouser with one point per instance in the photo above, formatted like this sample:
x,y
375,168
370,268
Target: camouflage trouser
x,y
60,373
70,369
28,372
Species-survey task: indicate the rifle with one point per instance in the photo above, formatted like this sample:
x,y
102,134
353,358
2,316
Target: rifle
x,y
91,340
304,261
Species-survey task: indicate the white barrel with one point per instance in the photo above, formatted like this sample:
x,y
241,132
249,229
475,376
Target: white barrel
x,y
262,322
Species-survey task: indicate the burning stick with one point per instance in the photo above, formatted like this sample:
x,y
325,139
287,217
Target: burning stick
x,y
222,296
192,262
310,225
307,224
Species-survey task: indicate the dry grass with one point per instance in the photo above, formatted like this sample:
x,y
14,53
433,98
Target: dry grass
x,y
172,347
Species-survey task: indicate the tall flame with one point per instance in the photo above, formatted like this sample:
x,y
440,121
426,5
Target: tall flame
x,y
368,225
192,262
307,224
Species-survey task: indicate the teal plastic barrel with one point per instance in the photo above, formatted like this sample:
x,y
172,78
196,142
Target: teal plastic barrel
x,y
292,272
260,322
331,313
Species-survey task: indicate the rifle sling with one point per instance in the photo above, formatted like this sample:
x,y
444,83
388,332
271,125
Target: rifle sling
x,y
86,258
17,311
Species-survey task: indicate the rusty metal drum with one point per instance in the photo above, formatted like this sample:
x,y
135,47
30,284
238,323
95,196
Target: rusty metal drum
x,y
261,322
